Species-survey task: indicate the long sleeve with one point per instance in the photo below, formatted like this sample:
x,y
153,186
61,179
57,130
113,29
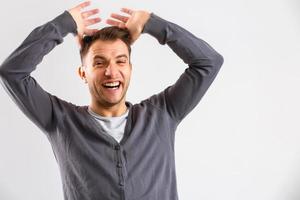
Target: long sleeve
x,y
15,71
203,65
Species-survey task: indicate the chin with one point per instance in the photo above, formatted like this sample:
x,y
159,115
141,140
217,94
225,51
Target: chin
x,y
111,102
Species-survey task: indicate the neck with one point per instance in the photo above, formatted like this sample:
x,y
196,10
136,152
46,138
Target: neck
x,y
109,111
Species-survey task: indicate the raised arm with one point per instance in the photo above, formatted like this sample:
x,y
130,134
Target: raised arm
x,y
203,61
15,71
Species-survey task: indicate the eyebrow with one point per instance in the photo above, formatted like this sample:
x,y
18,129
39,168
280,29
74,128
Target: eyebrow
x,y
100,57
103,58
122,56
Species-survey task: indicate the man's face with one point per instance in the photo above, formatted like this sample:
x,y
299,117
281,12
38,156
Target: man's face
x,y
107,71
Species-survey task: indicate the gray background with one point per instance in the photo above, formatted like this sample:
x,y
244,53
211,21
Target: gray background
x,y
243,138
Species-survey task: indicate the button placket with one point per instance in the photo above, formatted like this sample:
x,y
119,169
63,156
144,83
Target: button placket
x,y
119,165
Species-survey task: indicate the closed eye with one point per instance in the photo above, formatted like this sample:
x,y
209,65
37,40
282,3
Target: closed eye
x,y
121,61
99,63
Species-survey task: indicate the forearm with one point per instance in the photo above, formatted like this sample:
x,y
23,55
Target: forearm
x,y
188,47
39,43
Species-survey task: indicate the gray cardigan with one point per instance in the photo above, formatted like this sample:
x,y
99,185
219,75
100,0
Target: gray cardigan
x,y
94,166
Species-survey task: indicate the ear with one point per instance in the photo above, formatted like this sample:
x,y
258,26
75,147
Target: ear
x,y
81,73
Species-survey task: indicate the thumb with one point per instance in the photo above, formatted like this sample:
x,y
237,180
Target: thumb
x,y
79,41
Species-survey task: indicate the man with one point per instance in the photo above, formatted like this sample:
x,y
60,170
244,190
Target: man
x,y
111,149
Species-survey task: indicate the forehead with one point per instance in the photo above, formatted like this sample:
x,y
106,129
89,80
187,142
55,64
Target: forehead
x,y
108,49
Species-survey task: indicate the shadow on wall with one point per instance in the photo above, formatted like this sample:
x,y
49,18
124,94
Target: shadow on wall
x,y
5,195
293,183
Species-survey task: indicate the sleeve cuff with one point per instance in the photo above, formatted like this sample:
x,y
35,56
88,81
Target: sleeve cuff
x,y
156,27
65,23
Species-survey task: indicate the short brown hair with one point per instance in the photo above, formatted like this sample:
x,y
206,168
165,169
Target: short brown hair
x,y
110,33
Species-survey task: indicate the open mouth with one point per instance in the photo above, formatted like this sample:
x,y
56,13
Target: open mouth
x,y
112,85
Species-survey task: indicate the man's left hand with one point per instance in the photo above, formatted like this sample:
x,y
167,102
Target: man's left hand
x,y
134,21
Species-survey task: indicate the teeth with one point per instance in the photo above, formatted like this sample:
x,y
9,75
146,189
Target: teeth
x,y
112,84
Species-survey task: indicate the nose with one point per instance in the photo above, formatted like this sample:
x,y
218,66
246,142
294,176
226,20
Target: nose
x,y
111,70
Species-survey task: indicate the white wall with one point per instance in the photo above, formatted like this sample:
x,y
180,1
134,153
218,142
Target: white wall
x,y
242,139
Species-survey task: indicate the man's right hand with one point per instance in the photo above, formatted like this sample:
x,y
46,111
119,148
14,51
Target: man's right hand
x,y
83,20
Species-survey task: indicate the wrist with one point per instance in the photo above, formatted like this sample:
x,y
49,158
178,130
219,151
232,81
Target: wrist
x,y
145,18
65,23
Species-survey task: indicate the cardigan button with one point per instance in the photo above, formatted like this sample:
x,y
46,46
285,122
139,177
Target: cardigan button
x,y
119,165
121,184
117,147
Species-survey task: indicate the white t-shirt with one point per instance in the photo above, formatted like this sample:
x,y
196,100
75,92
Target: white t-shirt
x,y
113,126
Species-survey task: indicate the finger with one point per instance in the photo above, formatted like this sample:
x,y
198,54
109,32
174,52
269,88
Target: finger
x,y
127,10
119,17
92,21
89,13
84,4
115,23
